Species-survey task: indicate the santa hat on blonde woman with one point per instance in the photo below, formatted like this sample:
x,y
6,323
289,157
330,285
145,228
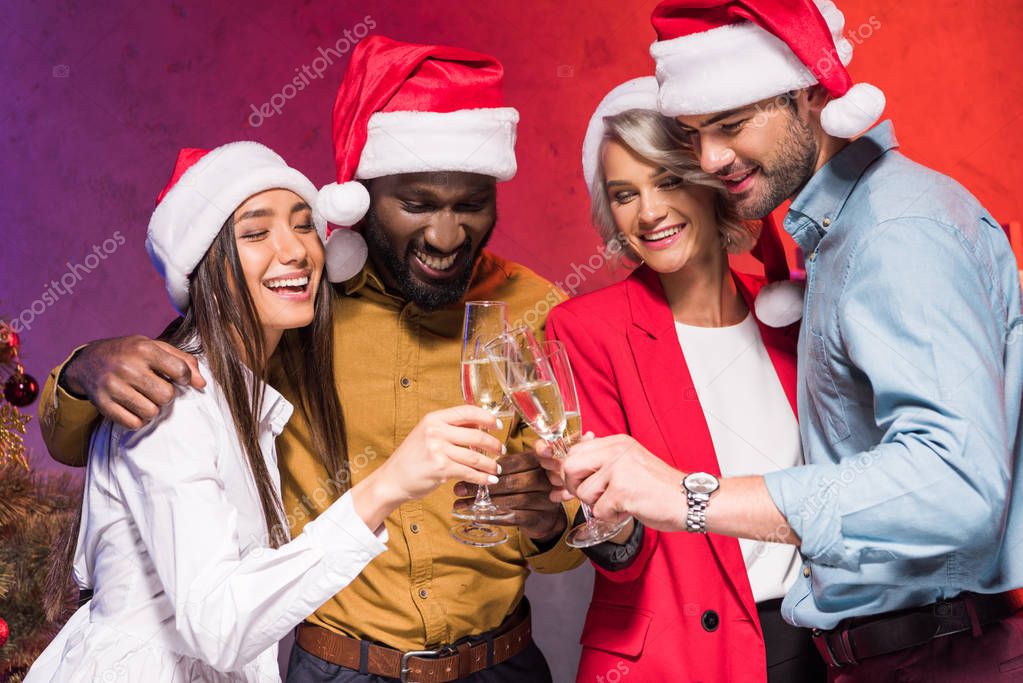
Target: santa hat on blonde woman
x,y
716,55
206,188
405,108
780,302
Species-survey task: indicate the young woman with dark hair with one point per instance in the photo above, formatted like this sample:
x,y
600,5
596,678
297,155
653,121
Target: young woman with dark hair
x,y
183,538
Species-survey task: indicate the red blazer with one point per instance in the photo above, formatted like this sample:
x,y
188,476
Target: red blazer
x,y
683,610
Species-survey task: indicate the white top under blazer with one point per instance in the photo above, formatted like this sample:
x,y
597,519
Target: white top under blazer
x,y
752,426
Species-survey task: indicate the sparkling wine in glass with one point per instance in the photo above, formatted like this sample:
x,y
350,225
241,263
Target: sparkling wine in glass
x,y
538,378
481,387
592,531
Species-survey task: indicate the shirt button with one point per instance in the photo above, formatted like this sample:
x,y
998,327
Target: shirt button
x,y
423,593
405,382
710,620
806,570
414,528
812,256
826,222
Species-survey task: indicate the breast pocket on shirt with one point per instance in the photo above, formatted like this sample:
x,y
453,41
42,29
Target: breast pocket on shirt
x,y
824,395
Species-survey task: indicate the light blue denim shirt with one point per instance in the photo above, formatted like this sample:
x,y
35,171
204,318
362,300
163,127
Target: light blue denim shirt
x,y
910,381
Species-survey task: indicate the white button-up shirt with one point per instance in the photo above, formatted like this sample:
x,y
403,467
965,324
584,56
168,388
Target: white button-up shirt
x,y
174,543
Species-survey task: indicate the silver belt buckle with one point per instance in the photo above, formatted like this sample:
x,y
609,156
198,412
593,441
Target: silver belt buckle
x,y
405,657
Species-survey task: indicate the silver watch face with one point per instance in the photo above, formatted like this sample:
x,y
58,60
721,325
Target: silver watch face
x,y
701,482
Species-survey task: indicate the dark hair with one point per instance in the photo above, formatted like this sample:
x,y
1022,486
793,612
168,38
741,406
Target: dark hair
x,y
227,330
307,358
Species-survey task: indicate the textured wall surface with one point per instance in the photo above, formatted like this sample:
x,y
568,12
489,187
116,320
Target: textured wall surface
x,y
99,97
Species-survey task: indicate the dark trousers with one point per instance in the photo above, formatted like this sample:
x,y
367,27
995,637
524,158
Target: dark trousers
x,y
791,655
529,666
994,655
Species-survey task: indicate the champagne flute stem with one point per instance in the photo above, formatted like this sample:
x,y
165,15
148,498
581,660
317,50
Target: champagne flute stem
x,y
482,498
482,501
561,452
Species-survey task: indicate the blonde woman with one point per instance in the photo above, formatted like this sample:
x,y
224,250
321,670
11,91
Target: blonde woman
x,y
676,357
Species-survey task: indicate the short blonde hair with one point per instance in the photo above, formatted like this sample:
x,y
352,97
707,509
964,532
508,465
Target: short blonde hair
x,y
660,140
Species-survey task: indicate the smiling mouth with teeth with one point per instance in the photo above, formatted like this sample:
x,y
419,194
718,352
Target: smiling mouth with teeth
x,y
437,263
294,285
735,181
662,234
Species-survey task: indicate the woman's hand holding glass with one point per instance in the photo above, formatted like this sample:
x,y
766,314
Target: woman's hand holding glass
x,y
483,321
447,445
538,379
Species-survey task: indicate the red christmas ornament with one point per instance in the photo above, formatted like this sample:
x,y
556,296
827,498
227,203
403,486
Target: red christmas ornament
x,y
5,631
21,389
9,344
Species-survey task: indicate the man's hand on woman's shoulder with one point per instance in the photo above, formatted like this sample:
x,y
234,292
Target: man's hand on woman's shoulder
x,y
128,379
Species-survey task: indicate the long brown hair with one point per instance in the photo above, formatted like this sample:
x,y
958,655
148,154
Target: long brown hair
x,y
307,358
227,330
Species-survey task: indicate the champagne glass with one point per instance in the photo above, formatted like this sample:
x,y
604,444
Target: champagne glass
x,y
539,394
484,320
592,531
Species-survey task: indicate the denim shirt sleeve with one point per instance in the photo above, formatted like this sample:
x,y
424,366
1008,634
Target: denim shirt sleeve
x,y
918,317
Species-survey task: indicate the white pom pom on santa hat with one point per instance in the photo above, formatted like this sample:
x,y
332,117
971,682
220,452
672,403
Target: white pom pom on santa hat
x,y
346,254
854,112
779,304
343,203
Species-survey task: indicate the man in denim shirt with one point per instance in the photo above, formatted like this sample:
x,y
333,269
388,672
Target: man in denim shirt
x,y
910,368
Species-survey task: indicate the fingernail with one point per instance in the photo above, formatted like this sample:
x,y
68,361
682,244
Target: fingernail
x,y
504,450
500,425
492,479
499,468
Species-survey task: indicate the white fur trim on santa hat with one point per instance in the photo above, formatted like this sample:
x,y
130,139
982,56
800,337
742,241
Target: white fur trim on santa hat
x,y
779,304
739,64
343,203
724,68
638,93
469,140
193,212
346,254
854,112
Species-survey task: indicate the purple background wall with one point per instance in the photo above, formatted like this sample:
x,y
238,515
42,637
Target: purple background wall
x,y
99,96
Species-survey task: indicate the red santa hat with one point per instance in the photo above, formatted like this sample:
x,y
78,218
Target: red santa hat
x,y
716,55
206,188
405,108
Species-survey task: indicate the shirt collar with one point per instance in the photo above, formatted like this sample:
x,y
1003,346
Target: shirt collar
x,y
820,202
275,409
445,321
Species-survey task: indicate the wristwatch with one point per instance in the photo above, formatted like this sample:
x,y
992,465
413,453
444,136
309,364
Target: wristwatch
x,y
699,487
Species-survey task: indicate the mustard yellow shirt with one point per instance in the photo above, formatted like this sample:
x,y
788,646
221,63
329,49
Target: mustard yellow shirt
x,y
393,364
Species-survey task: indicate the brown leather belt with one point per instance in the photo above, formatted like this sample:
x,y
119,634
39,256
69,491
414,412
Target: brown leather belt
x,y
422,666
864,637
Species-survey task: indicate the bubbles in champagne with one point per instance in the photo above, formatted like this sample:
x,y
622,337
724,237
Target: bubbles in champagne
x,y
540,405
480,386
573,427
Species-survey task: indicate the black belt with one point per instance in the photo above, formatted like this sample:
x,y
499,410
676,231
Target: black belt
x,y
865,637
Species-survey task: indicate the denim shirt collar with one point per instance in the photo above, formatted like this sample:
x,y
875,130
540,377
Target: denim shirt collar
x,y
820,202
